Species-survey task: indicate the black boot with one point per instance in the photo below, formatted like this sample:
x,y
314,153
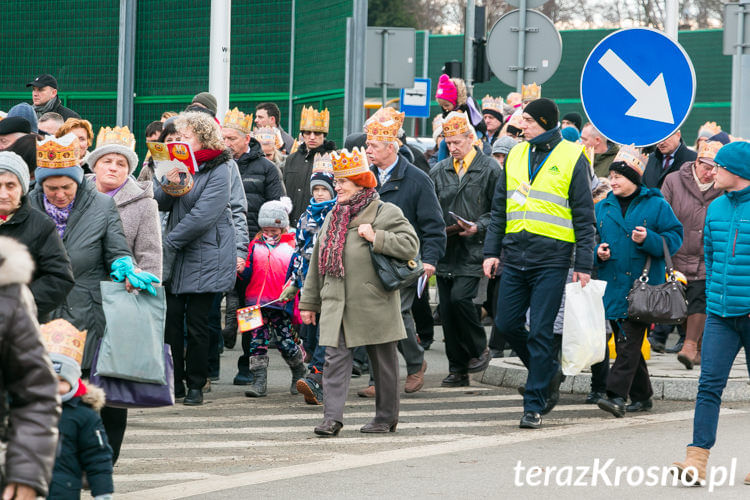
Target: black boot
x,y
615,406
259,370
297,365
230,320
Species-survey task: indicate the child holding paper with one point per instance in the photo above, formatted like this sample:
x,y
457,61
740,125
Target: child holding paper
x,y
264,277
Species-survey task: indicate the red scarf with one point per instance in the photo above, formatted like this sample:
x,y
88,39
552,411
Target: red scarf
x,y
204,155
331,259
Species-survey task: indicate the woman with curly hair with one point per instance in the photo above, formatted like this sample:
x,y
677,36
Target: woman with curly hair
x,y
199,251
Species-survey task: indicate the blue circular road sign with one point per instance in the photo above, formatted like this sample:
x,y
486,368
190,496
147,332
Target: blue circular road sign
x,y
637,86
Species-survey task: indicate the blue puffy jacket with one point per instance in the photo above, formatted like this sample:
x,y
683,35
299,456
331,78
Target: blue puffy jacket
x,y
727,249
650,210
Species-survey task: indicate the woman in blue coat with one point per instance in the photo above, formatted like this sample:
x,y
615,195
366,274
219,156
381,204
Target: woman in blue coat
x,y
631,223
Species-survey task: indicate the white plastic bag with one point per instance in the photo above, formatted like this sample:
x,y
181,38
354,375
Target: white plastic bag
x,y
584,339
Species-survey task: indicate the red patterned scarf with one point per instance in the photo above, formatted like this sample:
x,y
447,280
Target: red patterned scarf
x,y
332,255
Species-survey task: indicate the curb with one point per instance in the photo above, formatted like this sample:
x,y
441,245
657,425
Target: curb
x,y
510,372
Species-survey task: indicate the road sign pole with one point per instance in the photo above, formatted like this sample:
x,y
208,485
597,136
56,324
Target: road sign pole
x,y
384,66
469,45
521,45
671,18
219,53
740,125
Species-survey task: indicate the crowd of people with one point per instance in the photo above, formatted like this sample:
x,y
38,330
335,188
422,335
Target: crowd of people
x,y
512,203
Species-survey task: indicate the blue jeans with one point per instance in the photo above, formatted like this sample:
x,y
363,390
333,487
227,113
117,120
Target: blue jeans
x,y
540,291
722,340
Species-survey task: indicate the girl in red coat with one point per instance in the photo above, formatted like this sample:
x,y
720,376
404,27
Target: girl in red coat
x,y
264,276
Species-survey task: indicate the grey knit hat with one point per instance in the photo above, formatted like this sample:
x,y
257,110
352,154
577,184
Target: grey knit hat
x,y
11,162
503,145
275,213
66,367
129,155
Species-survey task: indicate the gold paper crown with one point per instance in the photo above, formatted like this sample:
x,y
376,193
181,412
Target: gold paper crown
x,y
313,120
493,104
269,134
708,149
531,91
347,164
710,128
57,152
121,136
238,120
513,99
632,157
456,123
384,125
60,337
322,164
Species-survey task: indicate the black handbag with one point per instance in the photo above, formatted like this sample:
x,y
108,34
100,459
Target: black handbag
x,y
396,273
662,304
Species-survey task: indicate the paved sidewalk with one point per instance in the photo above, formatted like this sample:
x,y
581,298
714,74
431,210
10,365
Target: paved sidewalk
x,y
669,378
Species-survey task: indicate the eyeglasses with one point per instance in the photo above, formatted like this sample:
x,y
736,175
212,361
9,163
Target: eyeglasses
x,y
311,132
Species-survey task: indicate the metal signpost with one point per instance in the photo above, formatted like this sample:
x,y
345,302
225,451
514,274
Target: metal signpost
x,y
524,47
637,86
390,58
415,102
737,44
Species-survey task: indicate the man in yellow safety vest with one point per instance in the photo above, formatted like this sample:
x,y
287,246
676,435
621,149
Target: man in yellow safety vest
x,y
542,223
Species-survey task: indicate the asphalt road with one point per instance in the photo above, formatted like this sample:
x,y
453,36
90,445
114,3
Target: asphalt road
x,y
451,443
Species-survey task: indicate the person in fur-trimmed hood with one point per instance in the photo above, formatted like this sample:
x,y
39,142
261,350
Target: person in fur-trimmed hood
x,y
83,446
28,392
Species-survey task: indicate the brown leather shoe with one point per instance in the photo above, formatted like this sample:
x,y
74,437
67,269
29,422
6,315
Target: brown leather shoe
x,y
368,392
328,428
415,381
378,427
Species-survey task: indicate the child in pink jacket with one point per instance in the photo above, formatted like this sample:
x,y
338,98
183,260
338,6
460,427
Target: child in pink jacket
x,y
264,279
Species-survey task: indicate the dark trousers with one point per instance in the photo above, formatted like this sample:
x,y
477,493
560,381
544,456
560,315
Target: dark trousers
x,y
422,313
216,340
318,354
600,372
191,310
115,421
465,337
629,373
540,291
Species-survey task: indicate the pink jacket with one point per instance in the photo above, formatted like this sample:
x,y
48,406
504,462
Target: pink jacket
x,y
267,270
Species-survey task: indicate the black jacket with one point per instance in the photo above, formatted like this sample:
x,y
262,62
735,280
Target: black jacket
x,y
654,174
261,181
471,198
524,250
53,274
413,192
28,384
297,173
63,111
83,447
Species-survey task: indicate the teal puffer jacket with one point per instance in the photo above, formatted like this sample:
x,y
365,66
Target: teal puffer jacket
x,y
727,249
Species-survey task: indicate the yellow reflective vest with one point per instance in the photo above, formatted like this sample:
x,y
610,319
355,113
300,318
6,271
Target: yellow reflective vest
x,y
541,207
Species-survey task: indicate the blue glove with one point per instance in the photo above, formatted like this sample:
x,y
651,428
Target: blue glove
x,y
123,268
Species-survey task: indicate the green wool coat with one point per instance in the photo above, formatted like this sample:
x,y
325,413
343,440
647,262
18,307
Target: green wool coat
x,y
357,303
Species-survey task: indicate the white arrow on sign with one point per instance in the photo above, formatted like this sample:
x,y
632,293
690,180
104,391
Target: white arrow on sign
x,y
651,101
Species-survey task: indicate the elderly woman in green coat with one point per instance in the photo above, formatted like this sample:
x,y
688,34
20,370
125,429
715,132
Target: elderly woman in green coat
x,y
343,286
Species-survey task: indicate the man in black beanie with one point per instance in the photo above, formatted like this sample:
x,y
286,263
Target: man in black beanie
x,y
542,212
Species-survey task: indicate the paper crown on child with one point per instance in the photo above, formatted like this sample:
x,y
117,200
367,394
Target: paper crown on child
x,y
53,152
632,157
493,103
266,135
238,120
456,123
60,337
313,120
384,125
530,92
707,151
322,164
